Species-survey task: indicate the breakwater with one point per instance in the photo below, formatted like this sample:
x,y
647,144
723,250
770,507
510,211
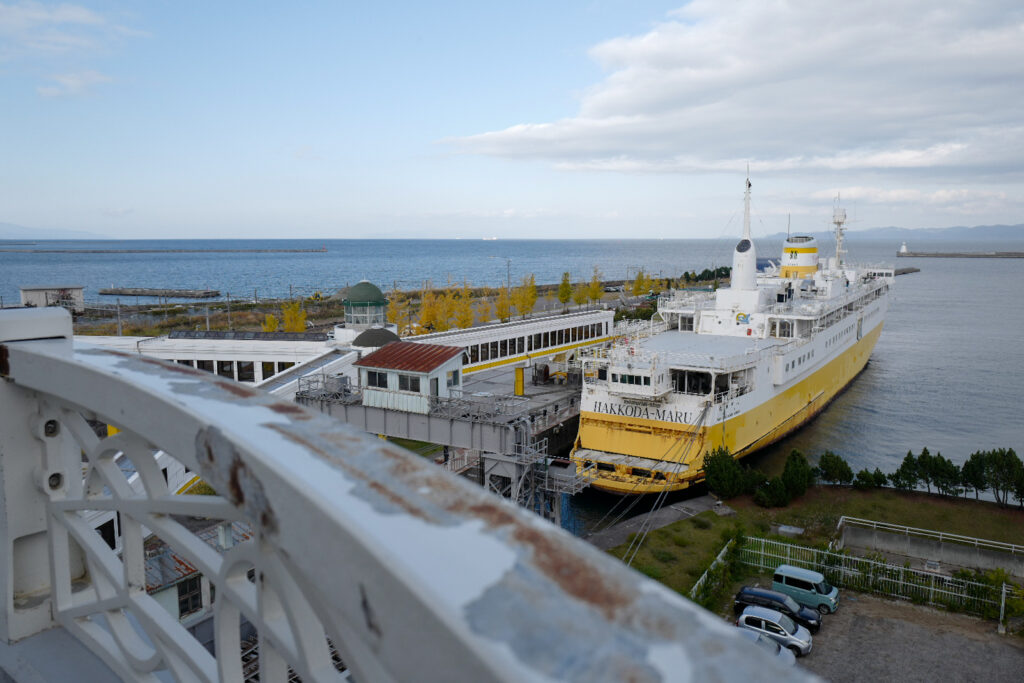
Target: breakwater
x,y
960,254
170,293
164,251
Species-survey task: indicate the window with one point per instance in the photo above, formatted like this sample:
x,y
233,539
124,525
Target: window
x,y
205,365
190,595
246,371
453,378
409,383
284,365
268,370
376,379
226,368
107,533
185,362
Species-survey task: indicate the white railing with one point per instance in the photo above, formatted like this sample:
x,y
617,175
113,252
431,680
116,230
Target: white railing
x,y
869,575
409,572
719,559
928,533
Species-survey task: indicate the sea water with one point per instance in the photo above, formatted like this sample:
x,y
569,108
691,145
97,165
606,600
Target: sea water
x,y
947,372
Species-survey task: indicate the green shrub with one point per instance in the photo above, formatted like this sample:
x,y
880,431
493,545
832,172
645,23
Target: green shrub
x,y
663,556
650,570
680,540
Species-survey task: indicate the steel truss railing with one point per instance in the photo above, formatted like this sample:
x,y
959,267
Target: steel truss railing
x,y
354,541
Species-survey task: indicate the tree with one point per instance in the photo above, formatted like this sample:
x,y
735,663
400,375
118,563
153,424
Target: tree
x,y
926,468
595,290
797,474
464,307
772,493
1001,470
428,309
294,317
905,477
399,309
524,297
881,478
270,323
565,291
446,304
639,284
579,294
723,474
945,475
834,469
972,473
503,305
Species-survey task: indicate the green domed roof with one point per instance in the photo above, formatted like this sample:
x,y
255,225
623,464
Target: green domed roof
x,y
365,293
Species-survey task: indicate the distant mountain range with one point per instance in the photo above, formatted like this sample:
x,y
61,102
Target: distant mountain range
x,y
10,231
979,233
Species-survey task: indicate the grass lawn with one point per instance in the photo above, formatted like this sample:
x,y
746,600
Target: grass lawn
x,y
676,555
427,450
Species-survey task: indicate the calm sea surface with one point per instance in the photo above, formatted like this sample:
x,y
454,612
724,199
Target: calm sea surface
x,y
947,373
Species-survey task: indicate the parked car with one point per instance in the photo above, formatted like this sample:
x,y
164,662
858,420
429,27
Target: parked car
x,y
784,654
778,627
806,587
780,602
614,288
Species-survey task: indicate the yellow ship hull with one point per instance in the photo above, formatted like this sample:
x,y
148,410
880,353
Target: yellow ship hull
x,y
680,449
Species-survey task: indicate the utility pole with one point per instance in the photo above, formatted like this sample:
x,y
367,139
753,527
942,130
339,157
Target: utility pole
x,y
207,317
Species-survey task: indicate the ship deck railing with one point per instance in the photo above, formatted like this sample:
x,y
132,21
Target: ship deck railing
x,y
351,550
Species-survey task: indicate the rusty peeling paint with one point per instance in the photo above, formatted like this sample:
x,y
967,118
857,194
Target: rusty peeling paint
x,y
5,364
290,409
237,389
573,574
229,473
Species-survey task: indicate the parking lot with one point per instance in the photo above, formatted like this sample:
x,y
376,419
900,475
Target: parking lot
x,y
873,639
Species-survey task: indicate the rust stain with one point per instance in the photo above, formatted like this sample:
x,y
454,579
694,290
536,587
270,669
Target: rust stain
x,y
237,389
163,365
376,486
235,491
573,574
290,409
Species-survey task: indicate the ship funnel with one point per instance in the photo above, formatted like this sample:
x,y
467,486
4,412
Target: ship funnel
x,y
799,256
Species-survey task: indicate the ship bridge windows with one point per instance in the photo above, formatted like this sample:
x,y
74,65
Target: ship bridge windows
x,y
636,380
693,382
782,328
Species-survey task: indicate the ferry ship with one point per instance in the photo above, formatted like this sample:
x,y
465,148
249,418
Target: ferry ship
x,y
739,368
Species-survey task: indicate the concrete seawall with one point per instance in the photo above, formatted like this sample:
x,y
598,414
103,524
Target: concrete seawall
x,y
945,552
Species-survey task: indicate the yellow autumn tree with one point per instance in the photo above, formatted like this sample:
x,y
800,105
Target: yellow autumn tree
x,y
293,317
639,284
565,290
524,297
503,305
580,294
595,290
399,309
269,323
428,309
446,303
482,308
464,316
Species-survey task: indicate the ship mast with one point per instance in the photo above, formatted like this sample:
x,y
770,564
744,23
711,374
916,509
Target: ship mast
x,y
839,218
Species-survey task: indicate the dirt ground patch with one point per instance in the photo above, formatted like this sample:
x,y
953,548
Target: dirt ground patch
x,y
872,639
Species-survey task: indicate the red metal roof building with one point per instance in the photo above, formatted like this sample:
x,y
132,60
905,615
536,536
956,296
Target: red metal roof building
x,y
409,357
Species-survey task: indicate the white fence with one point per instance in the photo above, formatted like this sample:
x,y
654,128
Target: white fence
x,y
871,576
719,559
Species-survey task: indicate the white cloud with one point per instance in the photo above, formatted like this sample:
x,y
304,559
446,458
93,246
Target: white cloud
x,y
34,27
72,84
796,86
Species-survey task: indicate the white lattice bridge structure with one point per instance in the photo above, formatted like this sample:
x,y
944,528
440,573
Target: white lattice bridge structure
x,y
412,574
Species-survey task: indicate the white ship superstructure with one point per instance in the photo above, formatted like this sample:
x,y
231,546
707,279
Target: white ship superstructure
x,y
738,368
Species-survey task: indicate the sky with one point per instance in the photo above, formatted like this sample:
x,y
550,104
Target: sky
x,y
600,119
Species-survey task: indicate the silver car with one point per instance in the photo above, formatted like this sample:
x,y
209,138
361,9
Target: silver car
x,y
784,655
778,627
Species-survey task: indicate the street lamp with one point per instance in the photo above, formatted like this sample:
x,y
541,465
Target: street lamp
x,y
508,273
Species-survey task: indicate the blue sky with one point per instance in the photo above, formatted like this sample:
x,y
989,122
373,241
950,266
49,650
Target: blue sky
x,y
533,119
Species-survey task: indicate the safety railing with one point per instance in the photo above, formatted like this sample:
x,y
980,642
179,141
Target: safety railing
x,y
351,544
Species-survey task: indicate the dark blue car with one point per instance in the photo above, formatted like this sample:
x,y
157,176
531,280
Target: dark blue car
x,y
762,597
